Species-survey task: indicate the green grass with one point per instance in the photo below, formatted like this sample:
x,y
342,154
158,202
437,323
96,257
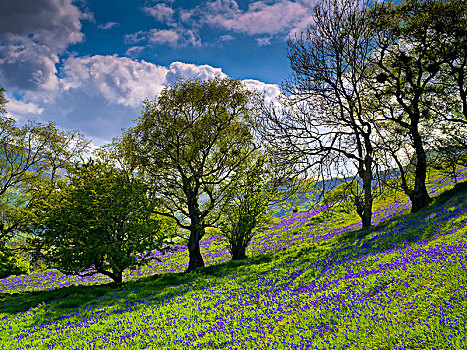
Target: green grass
x,y
400,285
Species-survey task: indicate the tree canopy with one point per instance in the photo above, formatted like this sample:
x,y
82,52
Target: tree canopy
x,y
99,220
190,141
247,210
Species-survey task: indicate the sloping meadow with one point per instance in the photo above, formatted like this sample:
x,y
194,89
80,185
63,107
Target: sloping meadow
x,y
313,282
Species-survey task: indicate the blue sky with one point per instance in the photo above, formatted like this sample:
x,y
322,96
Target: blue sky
x,y
89,64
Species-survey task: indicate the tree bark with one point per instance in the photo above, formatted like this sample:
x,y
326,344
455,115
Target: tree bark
x,y
419,195
368,204
194,252
118,278
196,229
238,252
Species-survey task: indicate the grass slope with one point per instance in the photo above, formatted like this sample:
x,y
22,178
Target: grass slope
x,y
313,282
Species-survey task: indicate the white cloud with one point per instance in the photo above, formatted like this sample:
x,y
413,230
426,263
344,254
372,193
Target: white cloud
x,y
23,110
263,41
161,12
272,18
100,95
270,91
226,38
163,36
136,37
33,35
125,81
108,25
119,80
134,50
188,71
175,37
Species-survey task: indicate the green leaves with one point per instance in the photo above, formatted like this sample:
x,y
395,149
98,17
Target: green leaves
x,y
190,142
99,220
247,207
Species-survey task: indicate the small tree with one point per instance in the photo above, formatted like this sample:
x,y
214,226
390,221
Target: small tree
x,y
347,196
98,221
247,210
3,101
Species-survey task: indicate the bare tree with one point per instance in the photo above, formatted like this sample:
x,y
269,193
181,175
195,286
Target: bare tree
x,y
322,128
416,56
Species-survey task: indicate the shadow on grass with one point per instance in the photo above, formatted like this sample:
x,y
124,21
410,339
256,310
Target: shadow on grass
x,y
60,302
407,228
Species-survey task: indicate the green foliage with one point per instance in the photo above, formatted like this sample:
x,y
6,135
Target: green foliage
x,y
3,101
12,264
342,192
190,141
247,209
346,197
99,220
32,156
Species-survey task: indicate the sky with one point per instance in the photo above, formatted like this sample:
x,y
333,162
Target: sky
x,y
89,64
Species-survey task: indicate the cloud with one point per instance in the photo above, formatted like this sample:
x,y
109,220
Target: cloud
x,y
164,36
108,25
174,37
100,95
227,37
190,71
134,50
281,17
119,80
161,12
263,41
270,91
33,33
137,37
23,110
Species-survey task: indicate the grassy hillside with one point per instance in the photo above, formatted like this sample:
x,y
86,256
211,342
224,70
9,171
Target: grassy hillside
x,y
313,281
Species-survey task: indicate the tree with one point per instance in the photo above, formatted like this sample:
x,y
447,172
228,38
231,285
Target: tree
x,y
346,196
322,129
247,210
3,101
190,141
99,220
414,54
32,156
451,25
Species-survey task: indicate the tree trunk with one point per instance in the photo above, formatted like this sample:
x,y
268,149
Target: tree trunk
x,y
419,196
238,252
196,231
118,278
196,259
368,199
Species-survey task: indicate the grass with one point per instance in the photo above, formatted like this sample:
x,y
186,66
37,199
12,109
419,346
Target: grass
x,y
308,284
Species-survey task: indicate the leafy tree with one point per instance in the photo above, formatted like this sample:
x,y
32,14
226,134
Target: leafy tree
x,y
32,156
3,101
190,141
450,24
99,220
322,129
346,196
247,210
451,151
